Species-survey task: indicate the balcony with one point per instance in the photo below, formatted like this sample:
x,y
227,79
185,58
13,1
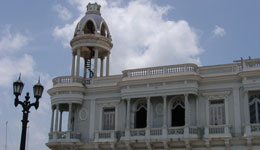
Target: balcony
x,y
65,136
252,129
147,133
215,131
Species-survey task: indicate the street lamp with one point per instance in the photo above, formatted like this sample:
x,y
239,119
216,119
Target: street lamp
x,y
26,104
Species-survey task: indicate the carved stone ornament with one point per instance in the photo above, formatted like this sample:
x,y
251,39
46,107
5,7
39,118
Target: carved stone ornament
x,y
83,113
217,95
159,109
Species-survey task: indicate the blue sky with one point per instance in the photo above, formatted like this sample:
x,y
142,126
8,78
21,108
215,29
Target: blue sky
x,y
35,35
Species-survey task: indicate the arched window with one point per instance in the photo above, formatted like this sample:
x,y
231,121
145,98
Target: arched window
x,y
103,30
254,107
178,113
89,28
141,115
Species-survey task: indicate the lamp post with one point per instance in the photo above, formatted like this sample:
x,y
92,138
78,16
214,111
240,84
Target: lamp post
x,y
26,104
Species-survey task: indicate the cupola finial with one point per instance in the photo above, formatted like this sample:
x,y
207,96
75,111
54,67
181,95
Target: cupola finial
x,y
93,8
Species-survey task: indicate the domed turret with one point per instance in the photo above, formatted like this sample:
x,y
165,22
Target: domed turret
x,y
92,41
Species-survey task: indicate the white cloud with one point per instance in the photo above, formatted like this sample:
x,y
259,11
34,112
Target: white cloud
x,y
12,42
142,37
218,31
11,65
63,12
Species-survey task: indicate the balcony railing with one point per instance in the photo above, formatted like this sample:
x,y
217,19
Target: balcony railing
x,y
218,131
65,136
252,64
173,69
67,79
156,132
135,134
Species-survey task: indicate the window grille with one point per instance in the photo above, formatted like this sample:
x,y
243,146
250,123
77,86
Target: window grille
x,y
109,119
217,112
254,108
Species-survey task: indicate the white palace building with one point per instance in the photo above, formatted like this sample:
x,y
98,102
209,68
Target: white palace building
x,y
174,107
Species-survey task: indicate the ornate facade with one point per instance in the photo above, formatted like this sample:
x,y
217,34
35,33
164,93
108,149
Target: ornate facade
x,y
173,107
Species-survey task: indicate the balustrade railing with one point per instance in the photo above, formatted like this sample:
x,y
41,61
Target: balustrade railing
x,y
104,135
217,130
255,127
67,79
175,130
155,131
137,132
160,70
254,63
64,135
61,135
193,130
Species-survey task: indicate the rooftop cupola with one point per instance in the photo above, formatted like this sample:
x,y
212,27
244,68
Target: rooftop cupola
x,y
93,9
92,42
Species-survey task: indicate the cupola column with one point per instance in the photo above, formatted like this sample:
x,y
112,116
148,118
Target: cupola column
x,y
107,65
60,124
96,62
101,67
73,65
52,119
57,118
78,62
69,117
85,69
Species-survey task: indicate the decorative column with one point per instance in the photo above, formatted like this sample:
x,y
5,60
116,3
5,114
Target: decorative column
x,y
246,113
187,110
92,118
127,131
148,112
128,114
78,62
73,65
164,116
85,69
226,110
96,62
227,132
207,118
101,67
197,110
52,120
237,113
147,132
57,118
60,127
164,111
69,117
187,115
107,65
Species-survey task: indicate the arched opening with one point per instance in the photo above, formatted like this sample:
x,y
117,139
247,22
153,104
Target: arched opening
x,y
104,30
89,28
140,116
178,113
254,108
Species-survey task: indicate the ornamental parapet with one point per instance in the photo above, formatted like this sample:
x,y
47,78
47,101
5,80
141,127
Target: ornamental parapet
x,y
162,70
